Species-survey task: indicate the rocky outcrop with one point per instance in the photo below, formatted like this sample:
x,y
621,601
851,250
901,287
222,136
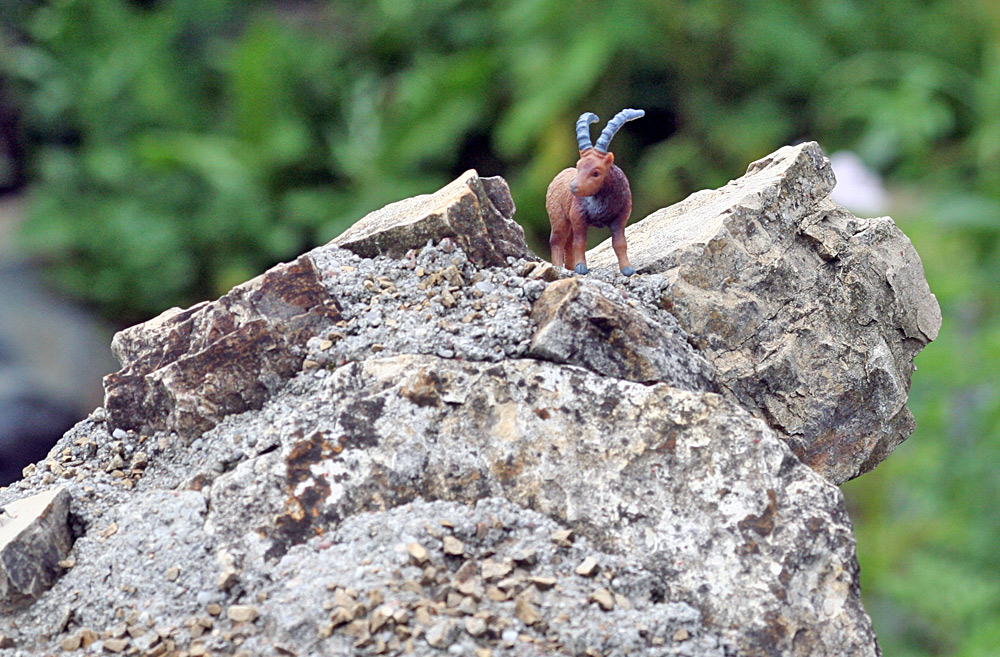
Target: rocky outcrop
x,y
810,315
686,485
420,440
187,369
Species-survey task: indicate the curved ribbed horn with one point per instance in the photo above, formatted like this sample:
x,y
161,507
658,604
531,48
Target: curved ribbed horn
x,y
583,130
613,126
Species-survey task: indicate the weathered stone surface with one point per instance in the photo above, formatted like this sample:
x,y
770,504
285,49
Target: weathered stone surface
x,y
34,538
567,626
811,316
187,369
580,324
474,212
319,405
685,483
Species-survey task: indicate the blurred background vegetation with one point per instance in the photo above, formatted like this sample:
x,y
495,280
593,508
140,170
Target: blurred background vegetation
x,y
171,149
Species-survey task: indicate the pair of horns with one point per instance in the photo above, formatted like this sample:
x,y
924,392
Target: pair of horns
x,y
583,128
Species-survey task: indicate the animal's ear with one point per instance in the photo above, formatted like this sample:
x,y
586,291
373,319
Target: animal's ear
x,y
610,159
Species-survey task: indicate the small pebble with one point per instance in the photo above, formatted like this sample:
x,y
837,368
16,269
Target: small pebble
x,y
526,612
563,537
418,552
70,643
242,613
439,635
475,626
495,570
588,567
604,598
453,546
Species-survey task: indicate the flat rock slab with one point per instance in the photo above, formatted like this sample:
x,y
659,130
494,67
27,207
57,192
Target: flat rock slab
x,y
810,315
474,212
34,537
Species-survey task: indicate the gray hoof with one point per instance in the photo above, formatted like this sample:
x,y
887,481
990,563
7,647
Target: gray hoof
x,y
581,268
628,271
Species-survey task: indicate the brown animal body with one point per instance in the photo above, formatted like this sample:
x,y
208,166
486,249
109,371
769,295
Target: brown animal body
x,y
594,193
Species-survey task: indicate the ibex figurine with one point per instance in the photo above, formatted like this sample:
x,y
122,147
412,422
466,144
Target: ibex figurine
x,y
594,193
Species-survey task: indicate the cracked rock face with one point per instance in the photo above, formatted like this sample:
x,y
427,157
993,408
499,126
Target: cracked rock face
x,y
579,324
186,369
810,315
419,439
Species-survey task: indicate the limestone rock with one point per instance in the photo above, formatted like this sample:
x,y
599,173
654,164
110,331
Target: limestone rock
x,y
474,212
34,538
259,482
685,483
810,315
579,324
187,369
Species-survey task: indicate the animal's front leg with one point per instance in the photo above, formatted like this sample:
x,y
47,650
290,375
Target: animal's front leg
x,y
621,250
578,247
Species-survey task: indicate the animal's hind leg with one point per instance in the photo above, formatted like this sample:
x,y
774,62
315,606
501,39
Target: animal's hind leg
x,y
578,248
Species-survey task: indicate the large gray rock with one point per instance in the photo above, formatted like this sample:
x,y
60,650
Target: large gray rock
x,y
579,324
541,604
810,315
706,498
415,441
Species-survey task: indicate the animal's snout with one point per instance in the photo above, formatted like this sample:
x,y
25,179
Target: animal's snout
x,y
573,187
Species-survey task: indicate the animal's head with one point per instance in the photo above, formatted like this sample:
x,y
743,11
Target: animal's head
x,y
595,160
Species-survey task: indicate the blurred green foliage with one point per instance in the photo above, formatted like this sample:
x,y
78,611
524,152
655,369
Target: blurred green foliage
x,y
178,147
927,521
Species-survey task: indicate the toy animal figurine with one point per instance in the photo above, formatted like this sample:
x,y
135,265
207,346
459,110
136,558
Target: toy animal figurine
x,y
594,193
